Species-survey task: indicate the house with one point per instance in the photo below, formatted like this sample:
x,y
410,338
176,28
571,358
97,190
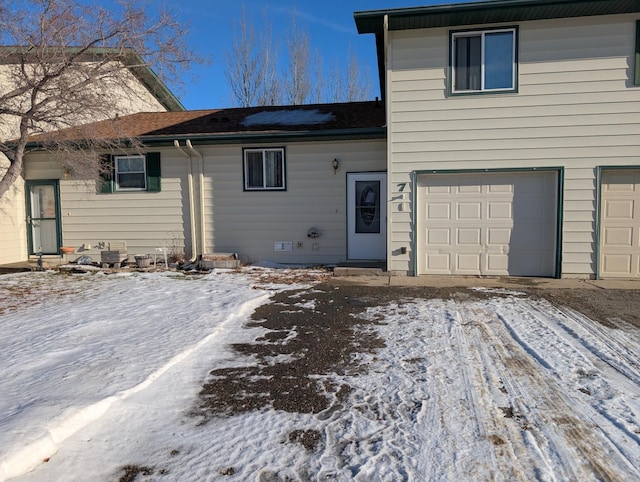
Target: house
x,y
148,94
506,144
513,140
267,183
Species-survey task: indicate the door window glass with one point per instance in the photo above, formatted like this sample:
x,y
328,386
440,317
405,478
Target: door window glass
x,y
367,206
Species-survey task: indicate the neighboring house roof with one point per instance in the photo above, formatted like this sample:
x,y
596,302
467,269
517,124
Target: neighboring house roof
x,y
481,12
135,64
351,120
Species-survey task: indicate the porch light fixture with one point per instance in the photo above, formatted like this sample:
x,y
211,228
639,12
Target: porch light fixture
x,y
336,165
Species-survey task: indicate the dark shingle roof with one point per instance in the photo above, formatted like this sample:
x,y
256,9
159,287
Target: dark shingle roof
x,y
351,119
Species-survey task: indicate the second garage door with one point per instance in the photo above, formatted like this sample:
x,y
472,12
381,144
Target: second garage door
x,y
620,224
488,223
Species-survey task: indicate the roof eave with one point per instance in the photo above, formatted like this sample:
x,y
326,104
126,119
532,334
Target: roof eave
x,y
488,11
257,137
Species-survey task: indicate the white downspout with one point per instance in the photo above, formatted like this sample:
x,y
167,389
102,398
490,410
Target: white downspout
x,y
194,247
203,232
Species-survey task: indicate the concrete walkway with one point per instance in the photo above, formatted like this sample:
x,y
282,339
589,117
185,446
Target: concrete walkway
x,y
376,277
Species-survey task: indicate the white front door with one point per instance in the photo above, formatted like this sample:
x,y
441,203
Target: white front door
x,y
367,215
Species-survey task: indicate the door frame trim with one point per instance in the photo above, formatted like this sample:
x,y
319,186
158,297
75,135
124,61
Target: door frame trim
x,y
56,189
559,208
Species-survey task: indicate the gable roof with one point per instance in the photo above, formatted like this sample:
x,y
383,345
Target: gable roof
x,y
130,58
480,12
350,120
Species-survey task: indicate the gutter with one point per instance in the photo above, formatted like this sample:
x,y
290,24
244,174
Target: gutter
x,y
203,232
261,137
192,217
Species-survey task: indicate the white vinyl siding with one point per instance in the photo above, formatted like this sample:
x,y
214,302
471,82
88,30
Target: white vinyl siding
x,y
249,222
576,108
144,220
236,221
13,239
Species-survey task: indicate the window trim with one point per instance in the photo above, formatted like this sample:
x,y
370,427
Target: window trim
x,y
108,179
263,150
453,34
636,72
116,179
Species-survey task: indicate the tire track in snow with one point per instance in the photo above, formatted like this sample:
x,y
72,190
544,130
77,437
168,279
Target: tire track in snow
x,y
482,386
26,458
614,347
572,448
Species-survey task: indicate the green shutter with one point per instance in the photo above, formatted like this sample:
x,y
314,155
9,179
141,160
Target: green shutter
x,y
636,77
106,174
153,171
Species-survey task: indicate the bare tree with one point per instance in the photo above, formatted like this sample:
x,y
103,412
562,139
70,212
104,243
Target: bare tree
x,y
270,90
298,78
256,77
350,84
70,62
244,64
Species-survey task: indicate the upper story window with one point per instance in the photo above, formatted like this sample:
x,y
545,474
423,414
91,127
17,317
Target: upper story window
x,y
264,169
484,61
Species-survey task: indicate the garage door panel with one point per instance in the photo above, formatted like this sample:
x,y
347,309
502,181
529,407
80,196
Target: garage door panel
x,y
496,217
439,236
500,211
618,264
439,211
622,237
498,236
620,224
438,263
467,263
469,189
469,210
497,263
622,210
468,237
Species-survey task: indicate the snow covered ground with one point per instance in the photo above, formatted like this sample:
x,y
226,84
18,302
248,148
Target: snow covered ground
x,y
100,371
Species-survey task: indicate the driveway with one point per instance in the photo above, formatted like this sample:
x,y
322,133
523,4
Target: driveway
x,y
447,383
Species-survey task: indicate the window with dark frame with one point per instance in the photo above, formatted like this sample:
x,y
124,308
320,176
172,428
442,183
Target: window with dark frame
x,y
483,61
264,169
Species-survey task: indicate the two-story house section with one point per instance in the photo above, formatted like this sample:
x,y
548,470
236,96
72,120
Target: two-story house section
x,y
513,137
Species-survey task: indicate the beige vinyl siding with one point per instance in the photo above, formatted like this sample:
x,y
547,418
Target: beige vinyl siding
x,y
248,223
144,220
576,108
13,237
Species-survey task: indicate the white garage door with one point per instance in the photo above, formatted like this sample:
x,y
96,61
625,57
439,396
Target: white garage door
x,y
488,223
620,224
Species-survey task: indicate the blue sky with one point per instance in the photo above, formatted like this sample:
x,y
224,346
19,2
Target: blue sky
x,y
330,25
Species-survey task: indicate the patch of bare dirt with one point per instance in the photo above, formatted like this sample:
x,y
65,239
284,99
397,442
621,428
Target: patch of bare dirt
x,y
312,332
